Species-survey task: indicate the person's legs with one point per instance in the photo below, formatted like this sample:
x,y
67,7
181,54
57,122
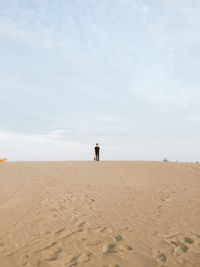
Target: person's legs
x,y
97,156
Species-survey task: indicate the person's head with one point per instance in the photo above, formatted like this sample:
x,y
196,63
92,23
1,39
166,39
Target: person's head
x,y
97,144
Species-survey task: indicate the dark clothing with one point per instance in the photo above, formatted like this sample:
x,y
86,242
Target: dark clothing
x,y
97,148
97,156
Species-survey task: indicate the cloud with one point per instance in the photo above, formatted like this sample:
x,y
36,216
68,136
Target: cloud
x,y
124,72
44,147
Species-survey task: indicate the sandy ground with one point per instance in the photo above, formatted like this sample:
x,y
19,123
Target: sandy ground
x,y
138,214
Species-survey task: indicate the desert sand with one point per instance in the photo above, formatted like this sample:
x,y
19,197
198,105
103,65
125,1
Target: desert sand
x,y
137,214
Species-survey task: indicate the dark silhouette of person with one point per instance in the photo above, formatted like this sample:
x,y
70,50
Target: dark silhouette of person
x,y
97,149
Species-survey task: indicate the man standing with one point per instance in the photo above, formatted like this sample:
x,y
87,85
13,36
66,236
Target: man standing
x,y
96,149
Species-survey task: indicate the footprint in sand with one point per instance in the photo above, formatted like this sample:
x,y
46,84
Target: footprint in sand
x,y
189,240
181,247
118,238
97,240
103,229
81,224
23,259
180,244
111,248
78,259
116,247
160,257
51,254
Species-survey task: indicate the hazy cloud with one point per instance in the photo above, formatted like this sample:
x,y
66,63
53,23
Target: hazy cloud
x,y
123,73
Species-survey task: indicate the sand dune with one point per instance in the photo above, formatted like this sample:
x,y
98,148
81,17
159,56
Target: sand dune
x,y
137,214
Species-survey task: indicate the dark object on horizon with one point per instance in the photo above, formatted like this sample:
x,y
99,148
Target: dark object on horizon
x,y
96,149
165,160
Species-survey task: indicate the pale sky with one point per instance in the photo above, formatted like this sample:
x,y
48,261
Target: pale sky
x,y
124,73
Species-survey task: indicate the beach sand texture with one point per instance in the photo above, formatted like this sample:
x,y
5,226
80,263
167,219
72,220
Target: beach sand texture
x,y
112,213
